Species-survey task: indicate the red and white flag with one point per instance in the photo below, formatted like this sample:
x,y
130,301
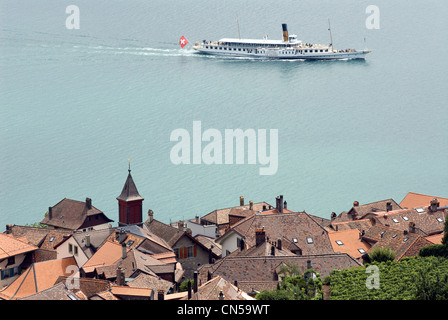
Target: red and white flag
x,y
183,42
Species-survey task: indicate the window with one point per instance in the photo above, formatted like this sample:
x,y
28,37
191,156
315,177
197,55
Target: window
x,y
394,236
176,252
75,251
294,240
419,210
361,251
70,248
129,243
440,220
51,239
405,218
189,251
339,242
395,220
309,240
405,239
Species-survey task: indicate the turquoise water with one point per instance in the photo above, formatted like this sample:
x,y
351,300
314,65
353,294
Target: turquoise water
x,y
76,104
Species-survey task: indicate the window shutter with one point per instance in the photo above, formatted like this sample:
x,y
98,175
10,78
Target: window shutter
x,y
194,251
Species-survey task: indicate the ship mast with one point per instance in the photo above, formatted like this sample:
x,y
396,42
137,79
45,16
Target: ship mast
x,y
331,37
238,24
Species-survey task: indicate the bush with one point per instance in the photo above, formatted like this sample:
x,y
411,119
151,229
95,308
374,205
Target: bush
x,y
382,254
437,250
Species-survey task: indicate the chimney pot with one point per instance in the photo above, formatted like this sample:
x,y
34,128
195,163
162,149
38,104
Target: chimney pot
x,y
285,205
433,205
89,203
189,289
241,200
388,206
195,283
355,203
260,236
251,205
150,215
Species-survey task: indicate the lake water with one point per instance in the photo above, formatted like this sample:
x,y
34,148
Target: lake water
x,y
76,104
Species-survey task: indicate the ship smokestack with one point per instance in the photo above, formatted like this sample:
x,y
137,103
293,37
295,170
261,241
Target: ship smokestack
x,y
285,32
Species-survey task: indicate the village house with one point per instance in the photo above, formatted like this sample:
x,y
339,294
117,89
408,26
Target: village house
x,y
74,215
38,277
16,254
190,252
298,228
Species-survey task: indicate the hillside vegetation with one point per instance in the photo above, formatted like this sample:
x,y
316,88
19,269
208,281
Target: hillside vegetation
x,y
409,279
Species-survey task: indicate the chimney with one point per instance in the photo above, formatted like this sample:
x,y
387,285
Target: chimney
x,y
235,283
89,203
120,277
195,283
411,227
189,289
160,295
242,244
362,234
433,205
308,264
87,240
281,204
196,219
50,213
251,205
123,250
285,32
221,295
333,215
241,201
260,236
150,215
285,205
272,250
210,255
277,204
388,206
8,228
279,244
355,203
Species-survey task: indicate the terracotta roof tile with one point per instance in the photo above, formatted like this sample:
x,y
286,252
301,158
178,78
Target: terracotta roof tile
x,y
415,200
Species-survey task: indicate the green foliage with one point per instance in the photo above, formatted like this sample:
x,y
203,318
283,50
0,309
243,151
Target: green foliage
x,y
382,254
295,287
409,279
184,285
437,250
445,232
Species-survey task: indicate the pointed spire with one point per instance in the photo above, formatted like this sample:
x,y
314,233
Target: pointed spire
x,y
129,192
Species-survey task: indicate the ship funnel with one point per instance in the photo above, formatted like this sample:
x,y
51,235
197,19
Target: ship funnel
x,y
285,32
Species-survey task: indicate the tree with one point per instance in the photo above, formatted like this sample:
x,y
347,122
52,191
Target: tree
x,y
382,254
445,232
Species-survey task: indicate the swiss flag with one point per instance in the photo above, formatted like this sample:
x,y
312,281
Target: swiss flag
x,y
183,42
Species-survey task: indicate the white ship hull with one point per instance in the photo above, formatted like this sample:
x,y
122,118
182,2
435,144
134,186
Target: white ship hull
x,y
288,48
281,54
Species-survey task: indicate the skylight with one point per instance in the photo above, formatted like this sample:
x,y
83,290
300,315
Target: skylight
x,y
294,240
405,239
361,251
439,219
394,236
419,210
51,239
405,218
339,242
395,220
309,240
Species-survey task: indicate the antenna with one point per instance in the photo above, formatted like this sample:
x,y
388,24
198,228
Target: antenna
x,y
129,169
238,25
331,37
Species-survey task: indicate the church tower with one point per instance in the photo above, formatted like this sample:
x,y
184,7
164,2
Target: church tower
x,y
130,203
